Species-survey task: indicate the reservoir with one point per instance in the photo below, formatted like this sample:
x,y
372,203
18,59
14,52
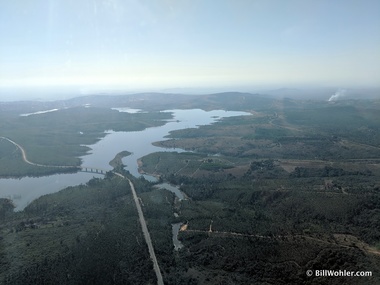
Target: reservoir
x,y
171,188
139,143
25,190
175,229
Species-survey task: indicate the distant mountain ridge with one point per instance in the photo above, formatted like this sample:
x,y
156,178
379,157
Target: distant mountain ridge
x,y
150,101
153,101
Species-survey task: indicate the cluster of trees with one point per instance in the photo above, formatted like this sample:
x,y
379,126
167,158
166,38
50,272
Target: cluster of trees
x,y
259,205
326,171
88,234
59,138
6,208
114,255
274,224
243,260
97,238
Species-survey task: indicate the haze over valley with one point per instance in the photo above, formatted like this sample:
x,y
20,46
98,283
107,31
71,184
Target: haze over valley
x,y
190,142
226,183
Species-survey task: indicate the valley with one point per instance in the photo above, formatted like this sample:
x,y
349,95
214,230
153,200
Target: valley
x,y
285,187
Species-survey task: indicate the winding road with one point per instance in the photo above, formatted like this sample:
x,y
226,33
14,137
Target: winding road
x,y
142,220
23,153
29,162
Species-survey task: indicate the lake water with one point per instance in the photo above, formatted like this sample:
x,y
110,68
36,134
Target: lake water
x,y
25,190
139,143
171,188
175,229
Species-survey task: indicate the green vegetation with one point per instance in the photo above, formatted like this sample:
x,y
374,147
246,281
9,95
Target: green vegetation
x,y
6,208
13,165
293,187
212,164
271,226
87,234
116,162
59,138
185,163
321,132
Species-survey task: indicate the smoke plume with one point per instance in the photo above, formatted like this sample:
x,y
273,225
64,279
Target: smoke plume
x,y
338,95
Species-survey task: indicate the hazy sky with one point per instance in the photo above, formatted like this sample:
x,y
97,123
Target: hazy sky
x,y
189,43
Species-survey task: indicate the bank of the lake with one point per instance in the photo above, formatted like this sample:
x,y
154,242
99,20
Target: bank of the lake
x,y
136,143
140,143
25,190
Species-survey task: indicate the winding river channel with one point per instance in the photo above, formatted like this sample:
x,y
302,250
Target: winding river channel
x,y
23,191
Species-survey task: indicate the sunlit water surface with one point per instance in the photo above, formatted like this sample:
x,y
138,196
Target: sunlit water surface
x,y
139,143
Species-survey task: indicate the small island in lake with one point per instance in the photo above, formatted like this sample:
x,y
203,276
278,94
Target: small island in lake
x,y
117,160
